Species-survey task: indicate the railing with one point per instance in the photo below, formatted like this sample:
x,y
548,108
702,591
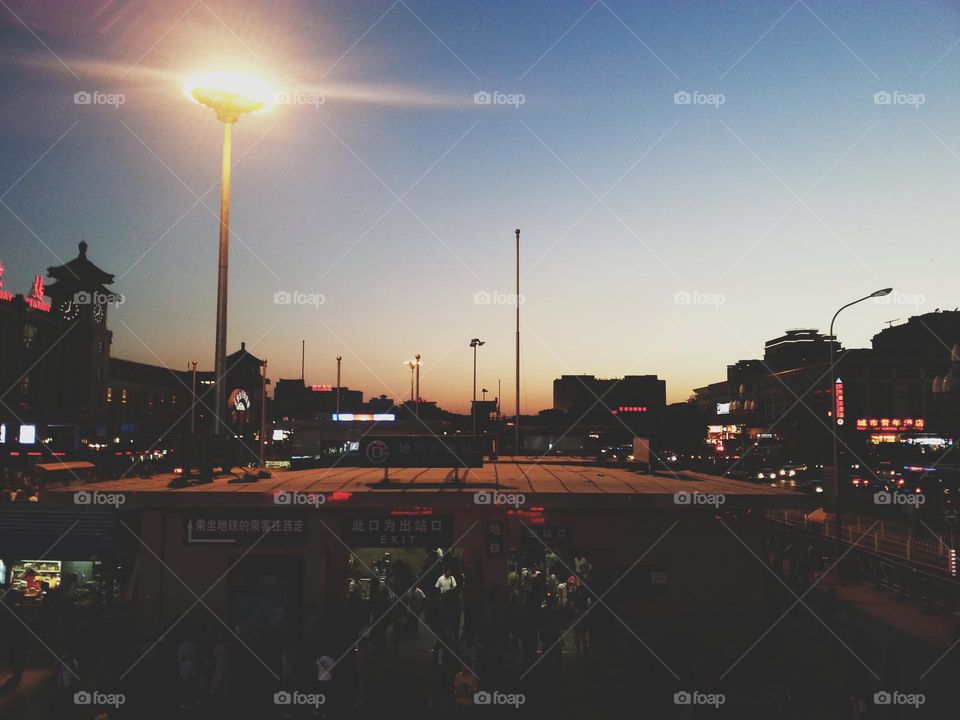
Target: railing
x,y
882,537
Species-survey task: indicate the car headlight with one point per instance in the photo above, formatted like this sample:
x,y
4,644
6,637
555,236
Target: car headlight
x,y
792,473
783,472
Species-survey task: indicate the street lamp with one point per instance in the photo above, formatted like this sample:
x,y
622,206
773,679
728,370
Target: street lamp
x,y
414,366
833,415
475,343
229,95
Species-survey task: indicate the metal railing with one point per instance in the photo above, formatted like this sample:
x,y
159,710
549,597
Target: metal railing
x,y
882,537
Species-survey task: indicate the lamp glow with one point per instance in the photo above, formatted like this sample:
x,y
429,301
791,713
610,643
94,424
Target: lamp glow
x,y
230,94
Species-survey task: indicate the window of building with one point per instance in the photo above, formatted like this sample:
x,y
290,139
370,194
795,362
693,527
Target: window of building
x,y
123,396
109,395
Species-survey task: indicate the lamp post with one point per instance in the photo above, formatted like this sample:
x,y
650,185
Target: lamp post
x,y
414,366
263,415
193,403
838,422
475,343
229,95
516,299
339,359
410,364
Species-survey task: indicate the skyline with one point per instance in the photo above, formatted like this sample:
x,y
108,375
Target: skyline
x,y
400,276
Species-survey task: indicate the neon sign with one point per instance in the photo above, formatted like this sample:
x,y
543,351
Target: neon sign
x,y
321,388
838,401
4,295
886,424
35,300
630,409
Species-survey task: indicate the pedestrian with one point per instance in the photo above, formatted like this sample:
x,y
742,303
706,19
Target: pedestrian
x,y
465,687
223,665
325,665
188,661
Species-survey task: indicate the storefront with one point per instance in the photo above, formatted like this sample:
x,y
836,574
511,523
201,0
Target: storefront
x,y
51,558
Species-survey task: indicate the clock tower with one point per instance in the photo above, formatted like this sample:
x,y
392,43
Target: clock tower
x,y
80,301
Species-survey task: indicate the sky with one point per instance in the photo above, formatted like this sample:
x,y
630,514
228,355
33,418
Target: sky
x,y
690,179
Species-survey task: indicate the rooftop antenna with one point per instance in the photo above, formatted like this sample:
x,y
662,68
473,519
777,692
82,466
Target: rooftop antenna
x,y
891,322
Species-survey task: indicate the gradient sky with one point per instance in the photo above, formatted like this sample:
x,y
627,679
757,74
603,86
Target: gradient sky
x,y
796,195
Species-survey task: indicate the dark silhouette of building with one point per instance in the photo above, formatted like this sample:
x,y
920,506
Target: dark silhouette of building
x,y
57,366
591,399
294,399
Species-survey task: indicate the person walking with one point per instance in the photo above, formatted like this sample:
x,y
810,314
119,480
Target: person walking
x,y
188,662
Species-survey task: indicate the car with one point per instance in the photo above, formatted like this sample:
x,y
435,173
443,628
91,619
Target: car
x,y
810,485
792,470
766,474
887,471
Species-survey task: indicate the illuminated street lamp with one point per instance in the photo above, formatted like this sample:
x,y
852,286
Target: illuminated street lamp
x,y
414,366
229,95
835,421
475,343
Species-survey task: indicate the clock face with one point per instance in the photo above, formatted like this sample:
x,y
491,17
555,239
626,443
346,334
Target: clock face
x,y
99,313
69,310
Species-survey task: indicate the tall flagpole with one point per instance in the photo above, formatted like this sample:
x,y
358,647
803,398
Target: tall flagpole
x,y
516,300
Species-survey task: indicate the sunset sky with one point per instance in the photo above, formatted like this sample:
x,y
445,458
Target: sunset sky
x,y
818,160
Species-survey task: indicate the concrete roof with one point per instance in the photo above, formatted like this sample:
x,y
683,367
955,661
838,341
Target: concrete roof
x,y
549,482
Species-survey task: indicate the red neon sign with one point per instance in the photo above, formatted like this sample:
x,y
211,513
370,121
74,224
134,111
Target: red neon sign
x,y
838,401
4,295
35,300
322,388
630,409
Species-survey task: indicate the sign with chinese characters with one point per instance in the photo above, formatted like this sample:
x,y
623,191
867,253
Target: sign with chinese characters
x,y
35,299
244,529
549,535
838,410
384,530
495,537
890,424
422,451
630,409
5,295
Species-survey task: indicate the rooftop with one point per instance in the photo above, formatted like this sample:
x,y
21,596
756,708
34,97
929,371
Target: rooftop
x,y
552,482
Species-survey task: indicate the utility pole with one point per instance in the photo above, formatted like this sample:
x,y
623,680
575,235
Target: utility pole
x,y
516,299
303,358
339,358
